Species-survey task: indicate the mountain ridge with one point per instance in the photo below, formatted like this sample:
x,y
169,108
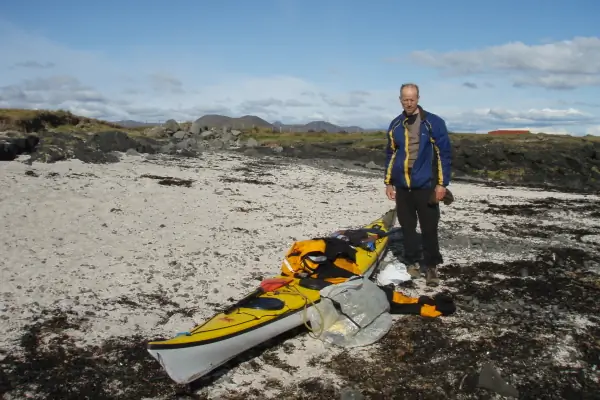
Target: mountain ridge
x,y
251,121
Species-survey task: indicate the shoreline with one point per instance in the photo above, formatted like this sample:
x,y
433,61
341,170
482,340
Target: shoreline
x,y
104,257
547,163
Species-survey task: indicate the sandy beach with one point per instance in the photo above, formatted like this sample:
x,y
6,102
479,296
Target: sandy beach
x,y
98,259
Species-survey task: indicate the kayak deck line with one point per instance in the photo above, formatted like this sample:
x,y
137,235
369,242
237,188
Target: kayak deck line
x,y
161,345
188,356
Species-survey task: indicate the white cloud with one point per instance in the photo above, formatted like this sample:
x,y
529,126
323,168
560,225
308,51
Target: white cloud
x,y
33,64
593,130
164,82
565,64
150,88
147,87
57,89
536,120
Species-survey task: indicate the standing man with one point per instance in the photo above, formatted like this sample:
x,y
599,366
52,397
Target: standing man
x,y
418,162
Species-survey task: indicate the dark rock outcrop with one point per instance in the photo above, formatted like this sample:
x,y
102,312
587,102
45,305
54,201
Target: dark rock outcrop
x,y
566,163
545,162
12,147
120,141
104,146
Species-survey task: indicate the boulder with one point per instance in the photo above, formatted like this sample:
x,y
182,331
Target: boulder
x,y
156,132
117,141
180,135
171,126
196,127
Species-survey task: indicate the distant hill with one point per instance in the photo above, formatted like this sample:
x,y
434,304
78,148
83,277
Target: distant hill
x,y
128,123
245,122
250,121
316,126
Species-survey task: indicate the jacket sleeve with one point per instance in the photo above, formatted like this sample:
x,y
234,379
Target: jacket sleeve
x,y
390,149
444,149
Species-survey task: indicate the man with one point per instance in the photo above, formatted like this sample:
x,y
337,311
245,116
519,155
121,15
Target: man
x,y
418,162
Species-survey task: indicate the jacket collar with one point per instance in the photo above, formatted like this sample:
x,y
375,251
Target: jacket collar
x,y
422,113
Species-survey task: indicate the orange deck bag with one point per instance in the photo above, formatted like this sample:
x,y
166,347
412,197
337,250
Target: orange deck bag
x,y
424,306
330,259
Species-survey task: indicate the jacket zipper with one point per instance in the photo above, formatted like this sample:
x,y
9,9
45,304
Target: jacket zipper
x,y
406,155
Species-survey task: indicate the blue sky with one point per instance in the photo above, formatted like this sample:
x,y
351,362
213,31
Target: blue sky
x,y
528,64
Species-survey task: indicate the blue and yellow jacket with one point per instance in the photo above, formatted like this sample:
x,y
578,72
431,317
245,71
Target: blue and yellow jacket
x,y
434,159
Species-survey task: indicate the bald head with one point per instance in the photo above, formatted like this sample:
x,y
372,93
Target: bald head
x,y
409,98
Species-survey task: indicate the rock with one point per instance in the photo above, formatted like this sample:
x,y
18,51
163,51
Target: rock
x,y
539,161
201,138
55,147
490,378
171,126
196,127
50,154
372,165
180,135
251,142
251,152
207,135
11,147
92,156
168,148
8,151
185,126
591,239
189,144
217,144
227,137
132,152
156,132
351,394
487,226
116,141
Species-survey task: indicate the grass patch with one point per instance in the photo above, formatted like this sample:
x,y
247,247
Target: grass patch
x,y
378,139
538,139
24,120
299,138
511,174
61,121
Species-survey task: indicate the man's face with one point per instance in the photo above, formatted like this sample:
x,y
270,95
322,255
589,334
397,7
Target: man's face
x,y
409,100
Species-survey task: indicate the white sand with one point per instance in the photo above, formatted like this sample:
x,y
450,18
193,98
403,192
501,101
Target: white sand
x,y
91,234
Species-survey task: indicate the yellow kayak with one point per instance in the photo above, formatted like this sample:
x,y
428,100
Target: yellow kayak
x,y
279,305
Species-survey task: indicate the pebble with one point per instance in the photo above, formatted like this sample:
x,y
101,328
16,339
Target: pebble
x,y
351,394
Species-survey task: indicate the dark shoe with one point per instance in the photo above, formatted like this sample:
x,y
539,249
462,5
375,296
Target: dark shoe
x,y
414,270
431,277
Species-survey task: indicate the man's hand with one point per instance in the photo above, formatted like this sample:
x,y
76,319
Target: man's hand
x,y
390,192
440,192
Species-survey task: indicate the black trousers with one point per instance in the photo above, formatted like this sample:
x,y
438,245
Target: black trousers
x,y
413,206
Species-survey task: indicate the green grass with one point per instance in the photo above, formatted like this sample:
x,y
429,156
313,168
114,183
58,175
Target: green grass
x,y
26,120
359,139
511,174
379,139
